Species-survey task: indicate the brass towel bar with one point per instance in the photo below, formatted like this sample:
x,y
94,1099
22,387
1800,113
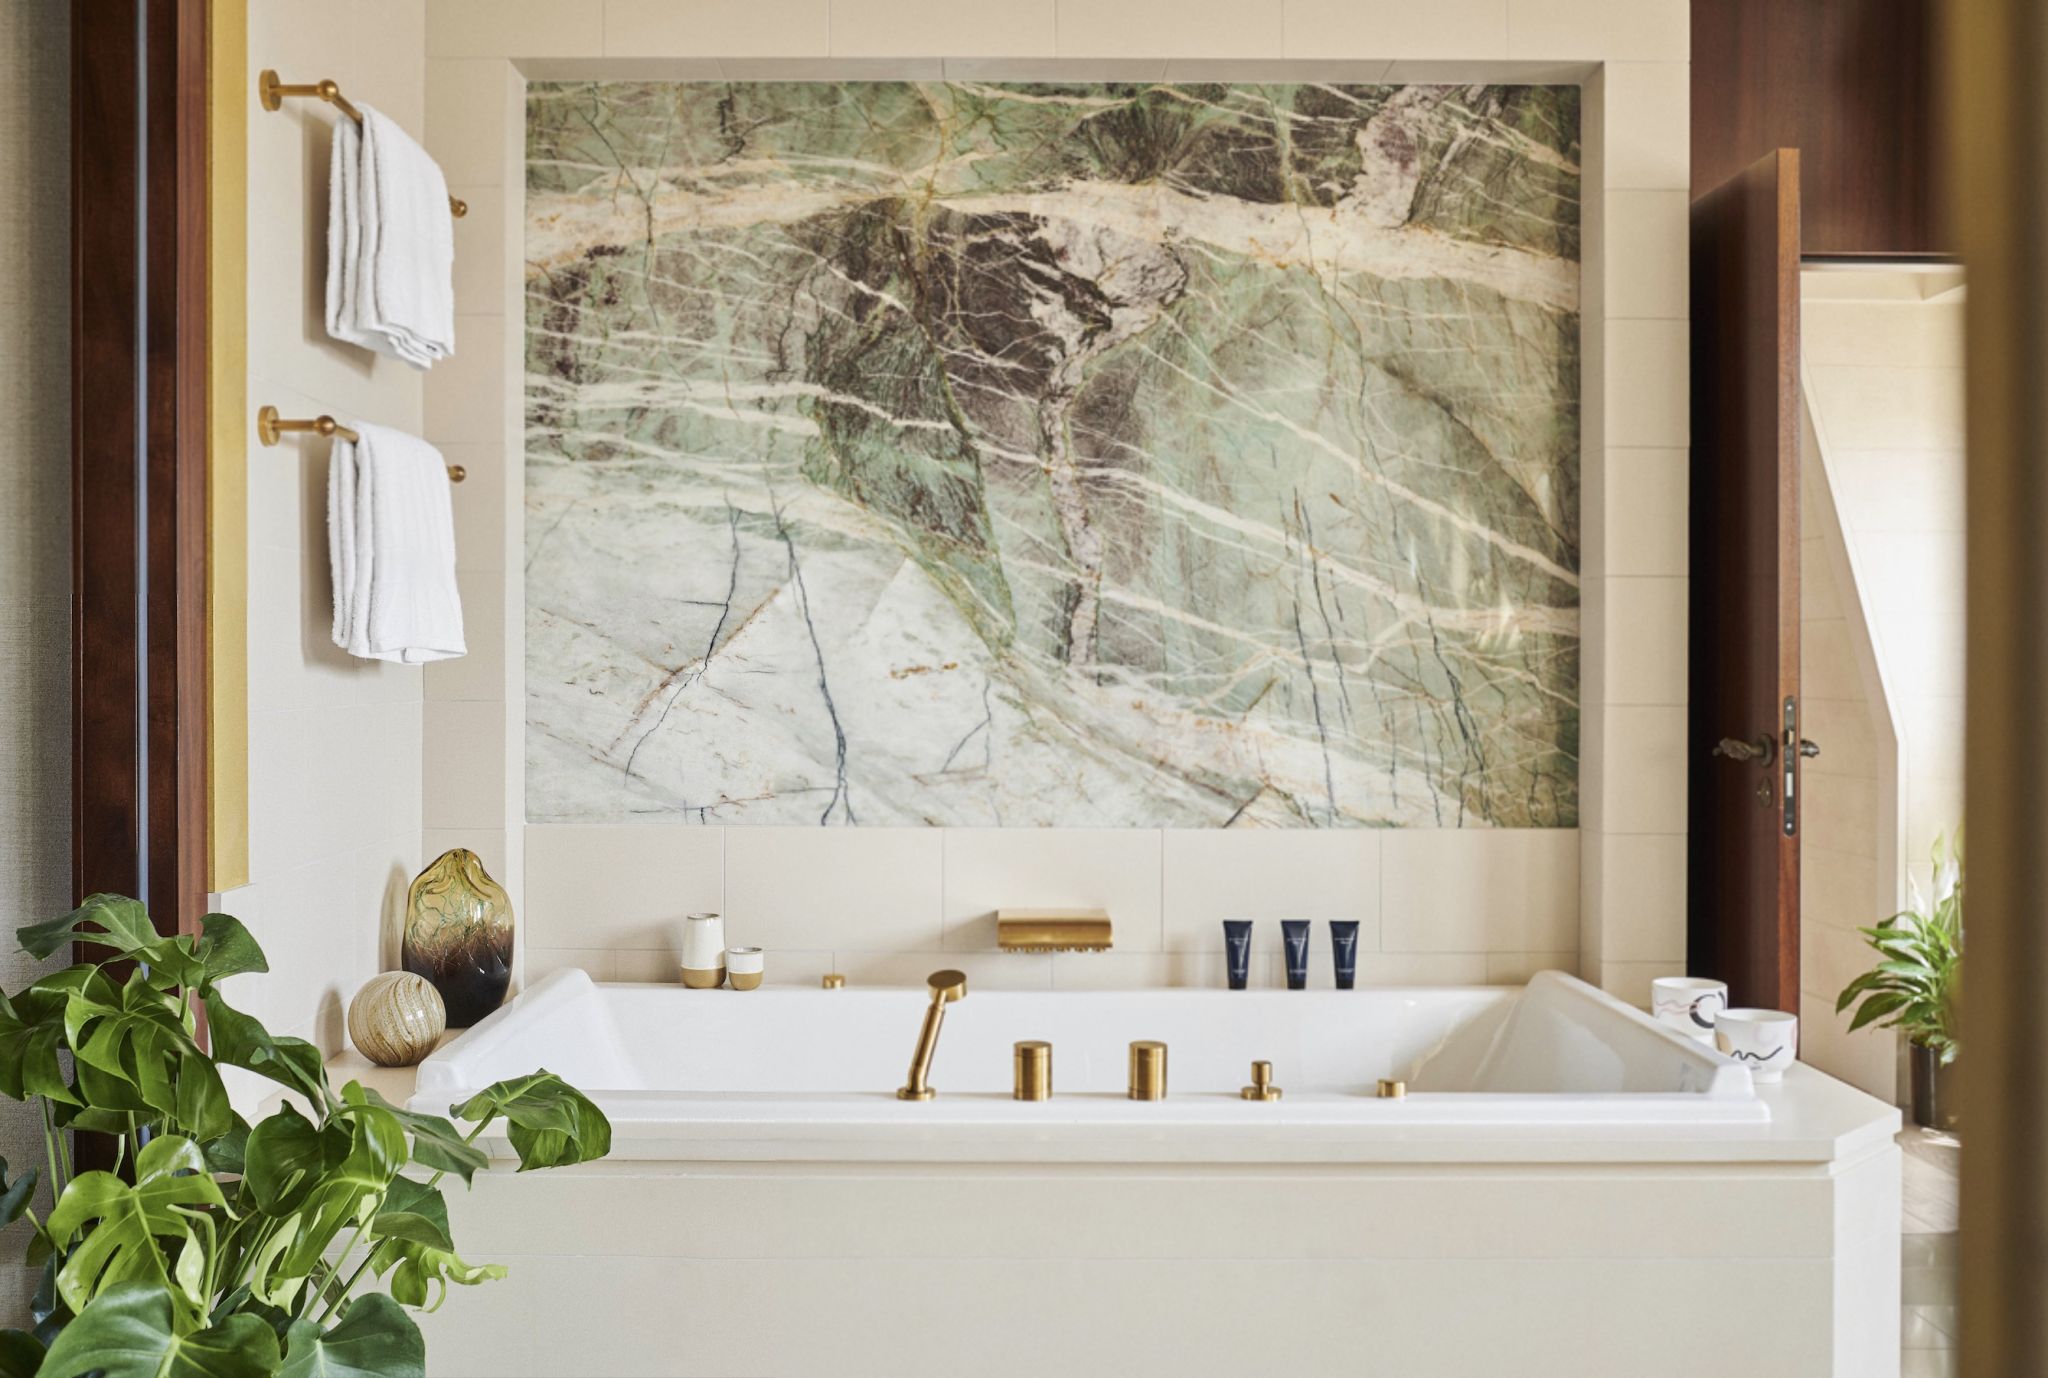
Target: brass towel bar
x,y
271,428
272,92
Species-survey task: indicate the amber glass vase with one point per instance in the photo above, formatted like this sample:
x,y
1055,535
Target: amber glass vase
x,y
458,934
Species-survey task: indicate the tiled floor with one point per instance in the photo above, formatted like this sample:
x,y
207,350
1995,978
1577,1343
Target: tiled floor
x,y
1928,1272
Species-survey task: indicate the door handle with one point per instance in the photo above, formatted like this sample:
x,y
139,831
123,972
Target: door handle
x,y
1762,750
1808,749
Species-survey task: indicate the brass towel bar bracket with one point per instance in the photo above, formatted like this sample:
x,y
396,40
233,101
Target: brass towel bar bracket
x,y
271,92
271,428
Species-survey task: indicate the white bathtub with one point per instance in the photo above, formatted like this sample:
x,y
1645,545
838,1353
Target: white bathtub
x,y
1568,1188
809,1074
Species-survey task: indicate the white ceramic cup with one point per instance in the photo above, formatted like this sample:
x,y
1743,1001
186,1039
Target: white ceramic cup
x,y
1689,1004
1765,1041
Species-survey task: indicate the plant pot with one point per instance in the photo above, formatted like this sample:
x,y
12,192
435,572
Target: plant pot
x,y
1934,1090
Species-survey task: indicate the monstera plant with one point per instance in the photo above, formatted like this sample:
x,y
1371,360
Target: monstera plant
x,y
208,1247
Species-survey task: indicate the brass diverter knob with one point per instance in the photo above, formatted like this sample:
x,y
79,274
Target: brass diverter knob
x,y
1033,1067
1262,1087
1148,1070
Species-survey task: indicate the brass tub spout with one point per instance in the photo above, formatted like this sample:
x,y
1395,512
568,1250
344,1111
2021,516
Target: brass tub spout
x,y
947,986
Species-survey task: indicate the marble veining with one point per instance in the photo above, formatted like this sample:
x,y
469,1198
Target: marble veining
x,y
1090,455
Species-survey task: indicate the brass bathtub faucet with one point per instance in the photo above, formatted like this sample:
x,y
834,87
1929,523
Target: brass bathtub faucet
x,y
1053,930
946,986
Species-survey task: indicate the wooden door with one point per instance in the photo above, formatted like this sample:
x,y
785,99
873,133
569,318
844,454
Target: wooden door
x,y
1744,732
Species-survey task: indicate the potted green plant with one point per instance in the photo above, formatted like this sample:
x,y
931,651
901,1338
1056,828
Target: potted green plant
x,y
1913,987
211,1247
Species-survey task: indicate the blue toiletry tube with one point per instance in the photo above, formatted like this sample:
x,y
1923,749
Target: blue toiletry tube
x,y
1344,946
1237,949
1294,934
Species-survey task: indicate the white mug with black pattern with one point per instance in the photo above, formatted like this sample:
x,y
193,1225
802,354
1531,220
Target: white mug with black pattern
x,y
1765,1041
1689,1004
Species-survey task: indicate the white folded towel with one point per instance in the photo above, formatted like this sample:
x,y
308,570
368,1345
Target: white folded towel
x,y
390,244
391,548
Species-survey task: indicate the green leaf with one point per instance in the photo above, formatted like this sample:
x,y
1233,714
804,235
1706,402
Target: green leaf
x,y
552,1124
230,1152
416,1269
1854,989
1876,1007
375,1339
227,949
15,1195
122,1246
239,1040
414,1211
130,1331
112,920
287,1156
31,1035
346,1192
436,1143
21,1354
138,1040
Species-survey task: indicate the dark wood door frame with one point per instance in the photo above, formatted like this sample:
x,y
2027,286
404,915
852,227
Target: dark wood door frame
x,y
1742,831
139,359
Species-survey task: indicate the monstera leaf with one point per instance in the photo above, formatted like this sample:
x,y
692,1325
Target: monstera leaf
x,y
15,1195
375,1339
122,1246
551,1123
239,1040
130,1331
136,1039
287,1155
32,1034
316,1193
421,1273
226,949
111,920
414,1211
436,1143
21,1354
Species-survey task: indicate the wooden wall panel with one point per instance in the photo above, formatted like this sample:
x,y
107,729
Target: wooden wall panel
x,y
139,277
1851,85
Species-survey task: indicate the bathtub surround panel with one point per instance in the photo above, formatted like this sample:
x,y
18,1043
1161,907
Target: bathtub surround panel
x,y
766,1173
1104,455
1634,139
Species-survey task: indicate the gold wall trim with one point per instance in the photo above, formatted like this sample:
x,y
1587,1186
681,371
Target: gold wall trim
x,y
1997,208
227,446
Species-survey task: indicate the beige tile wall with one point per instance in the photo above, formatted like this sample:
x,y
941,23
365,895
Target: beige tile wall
x,y
335,744
884,905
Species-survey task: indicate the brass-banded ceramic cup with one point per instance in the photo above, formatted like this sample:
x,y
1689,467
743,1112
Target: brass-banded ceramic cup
x,y
703,951
745,966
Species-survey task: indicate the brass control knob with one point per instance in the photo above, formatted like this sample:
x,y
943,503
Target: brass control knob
x,y
1033,1069
833,981
1148,1070
1390,1089
1262,1087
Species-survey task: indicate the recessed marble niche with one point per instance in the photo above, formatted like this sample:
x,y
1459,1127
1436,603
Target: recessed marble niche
x,y
1092,455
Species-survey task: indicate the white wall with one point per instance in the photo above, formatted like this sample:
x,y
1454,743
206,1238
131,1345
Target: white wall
x,y
1847,856
1883,374
334,743
35,528
890,904
1884,381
